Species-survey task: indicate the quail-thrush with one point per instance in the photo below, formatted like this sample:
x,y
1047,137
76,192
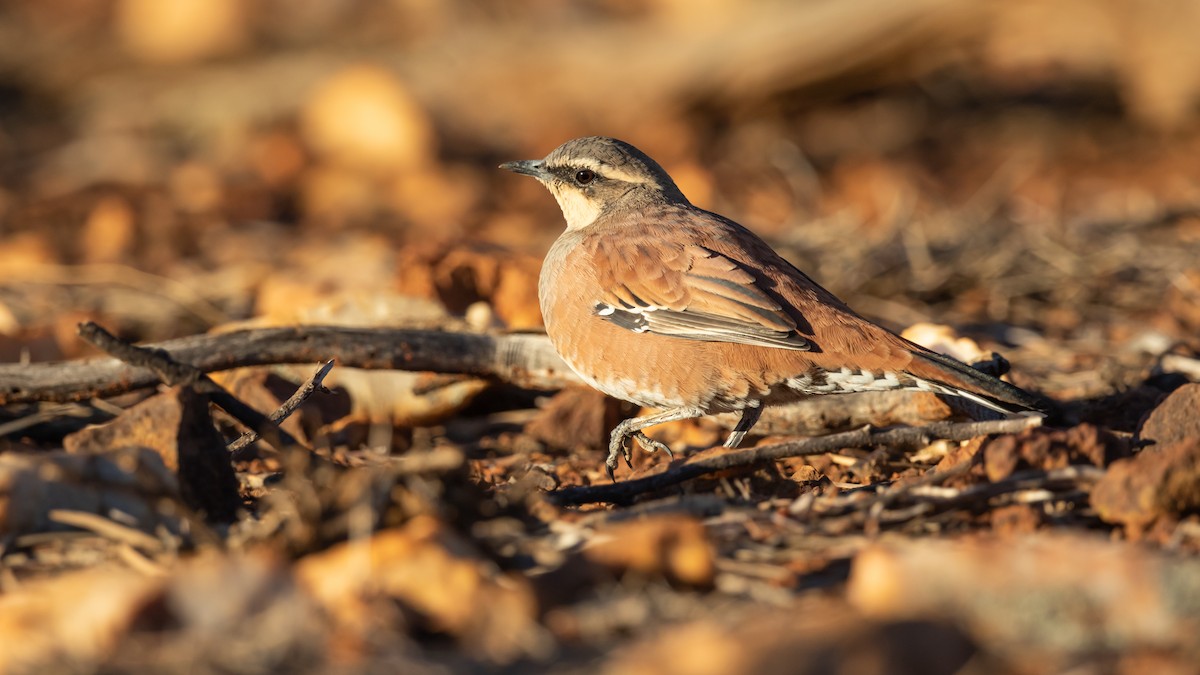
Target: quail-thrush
x,y
655,301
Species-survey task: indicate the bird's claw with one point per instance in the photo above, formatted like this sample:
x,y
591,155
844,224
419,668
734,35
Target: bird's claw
x,y
623,448
654,446
618,447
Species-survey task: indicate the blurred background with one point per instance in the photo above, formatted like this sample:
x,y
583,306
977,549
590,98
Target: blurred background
x,y
1025,171
1022,173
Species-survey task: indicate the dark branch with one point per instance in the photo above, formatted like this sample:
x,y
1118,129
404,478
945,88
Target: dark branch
x,y
524,360
289,406
899,439
166,369
174,373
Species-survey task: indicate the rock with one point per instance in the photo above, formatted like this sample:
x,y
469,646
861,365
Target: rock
x,y
1054,592
1048,449
180,31
1160,482
131,481
814,637
437,577
175,424
1177,418
673,547
364,117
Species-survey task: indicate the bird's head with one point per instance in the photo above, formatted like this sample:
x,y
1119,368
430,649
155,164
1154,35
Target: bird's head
x,y
588,176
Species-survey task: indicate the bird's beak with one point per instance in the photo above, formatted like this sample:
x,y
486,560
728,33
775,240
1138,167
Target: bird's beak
x,y
529,167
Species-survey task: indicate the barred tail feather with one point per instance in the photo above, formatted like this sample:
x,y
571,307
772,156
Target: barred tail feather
x,y
959,379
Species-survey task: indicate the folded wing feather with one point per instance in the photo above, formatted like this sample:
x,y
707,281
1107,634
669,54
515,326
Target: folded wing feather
x,y
693,293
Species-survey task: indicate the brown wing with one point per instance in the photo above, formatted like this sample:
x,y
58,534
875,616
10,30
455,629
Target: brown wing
x,y
690,292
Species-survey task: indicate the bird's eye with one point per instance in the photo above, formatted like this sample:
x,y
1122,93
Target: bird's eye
x,y
585,176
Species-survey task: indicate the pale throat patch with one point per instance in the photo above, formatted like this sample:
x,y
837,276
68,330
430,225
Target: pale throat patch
x,y
578,210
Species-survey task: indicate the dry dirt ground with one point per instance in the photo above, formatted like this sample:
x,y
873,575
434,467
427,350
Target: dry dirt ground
x,y
298,209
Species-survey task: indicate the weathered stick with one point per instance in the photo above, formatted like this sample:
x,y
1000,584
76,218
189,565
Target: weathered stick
x,y
902,438
106,527
523,360
174,373
289,406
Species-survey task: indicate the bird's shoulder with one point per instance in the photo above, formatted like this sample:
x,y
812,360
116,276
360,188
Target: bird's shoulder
x,y
670,239
667,231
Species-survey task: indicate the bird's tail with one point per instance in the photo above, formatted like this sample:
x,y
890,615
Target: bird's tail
x,y
949,376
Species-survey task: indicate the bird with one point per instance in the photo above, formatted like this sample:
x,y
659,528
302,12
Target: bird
x,y
655,301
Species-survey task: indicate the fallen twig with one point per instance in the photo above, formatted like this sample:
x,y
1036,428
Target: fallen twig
x,y
108,528
871,508
46,414
289,406
175,373
1024,480
902,438
526,360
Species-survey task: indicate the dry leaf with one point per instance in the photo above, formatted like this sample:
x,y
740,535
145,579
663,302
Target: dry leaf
x,y
673,547
431,572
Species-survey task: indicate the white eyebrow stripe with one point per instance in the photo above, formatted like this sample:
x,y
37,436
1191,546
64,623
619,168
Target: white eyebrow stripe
x,y
588,163
620,174
606,170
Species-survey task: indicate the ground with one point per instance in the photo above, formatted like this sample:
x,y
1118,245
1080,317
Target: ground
x,y
256,193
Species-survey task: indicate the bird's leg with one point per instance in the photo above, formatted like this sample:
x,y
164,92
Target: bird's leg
x,y
745,423
619,443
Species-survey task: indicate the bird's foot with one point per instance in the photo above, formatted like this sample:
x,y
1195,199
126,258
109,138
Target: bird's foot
x,y
618,446
621,446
